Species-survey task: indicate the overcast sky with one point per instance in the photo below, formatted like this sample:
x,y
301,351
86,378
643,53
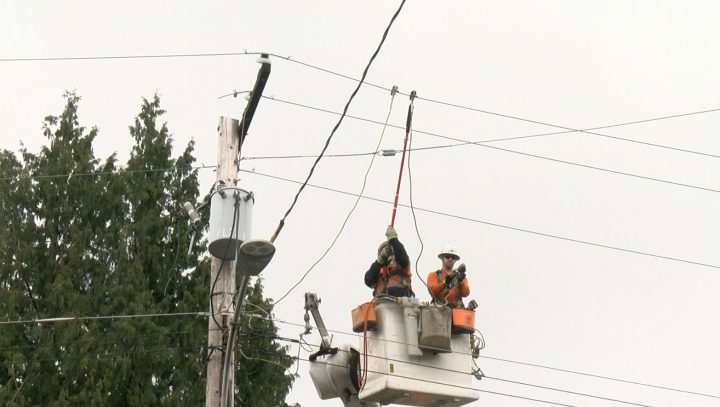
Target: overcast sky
x,y
560,303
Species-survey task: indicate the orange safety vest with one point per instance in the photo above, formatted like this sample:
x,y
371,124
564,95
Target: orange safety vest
x,y
392,275
453,296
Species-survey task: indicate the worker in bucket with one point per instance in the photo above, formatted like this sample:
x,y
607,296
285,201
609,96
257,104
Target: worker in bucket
x,y
390,273
449,284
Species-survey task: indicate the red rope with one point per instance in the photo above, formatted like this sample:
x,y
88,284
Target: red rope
x,y
362,367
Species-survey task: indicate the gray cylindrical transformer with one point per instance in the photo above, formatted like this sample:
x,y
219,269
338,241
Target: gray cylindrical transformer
x,y
230,221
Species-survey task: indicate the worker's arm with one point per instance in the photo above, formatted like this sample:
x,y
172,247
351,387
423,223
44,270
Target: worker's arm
x,y
465,288
435,287
372,275
401,256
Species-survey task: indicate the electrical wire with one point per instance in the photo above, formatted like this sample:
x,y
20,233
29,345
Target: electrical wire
x,y
566,129
521,383
395,126
483,144
362,189
110,339
584,131
288,59
86,318
332,133
517,229
135,56
603,377
412,210
235,94
448,384
116,354
86,174
359,337
202,373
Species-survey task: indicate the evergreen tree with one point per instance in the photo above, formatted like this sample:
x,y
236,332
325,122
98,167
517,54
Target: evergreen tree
x,y
86,238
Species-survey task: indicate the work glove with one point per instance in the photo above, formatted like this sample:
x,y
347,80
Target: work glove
x,y
461,272
449,277
384,254
391,233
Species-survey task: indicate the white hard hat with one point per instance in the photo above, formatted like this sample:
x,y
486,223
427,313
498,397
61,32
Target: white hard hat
x,y
449,249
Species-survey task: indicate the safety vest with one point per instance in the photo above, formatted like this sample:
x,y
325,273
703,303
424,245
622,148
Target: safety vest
x,y
391,278
454,294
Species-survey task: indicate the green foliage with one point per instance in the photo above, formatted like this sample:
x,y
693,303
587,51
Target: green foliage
x,y
259,357
85,237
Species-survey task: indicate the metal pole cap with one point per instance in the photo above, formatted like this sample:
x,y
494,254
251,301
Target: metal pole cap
x,y
254,256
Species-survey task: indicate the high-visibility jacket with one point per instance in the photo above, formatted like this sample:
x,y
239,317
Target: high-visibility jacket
x,y
391,279
441,294
394,280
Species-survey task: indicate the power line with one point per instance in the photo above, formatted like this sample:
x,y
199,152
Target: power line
x,y
437,383
567,129
412,363
498,224
483,144
116,354
273,98
121,172
602,377
106,339
318,68
588,131
87,318
342,227
512,361
332,133
132,56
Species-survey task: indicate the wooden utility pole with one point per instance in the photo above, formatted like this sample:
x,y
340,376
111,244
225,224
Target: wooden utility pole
x,y
222,295
231,134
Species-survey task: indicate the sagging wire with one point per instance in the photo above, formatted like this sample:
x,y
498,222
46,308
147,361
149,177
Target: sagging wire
x,y
393,92
239,348
480,374
359,337
477,343
267,314
302,345
200,375
332,133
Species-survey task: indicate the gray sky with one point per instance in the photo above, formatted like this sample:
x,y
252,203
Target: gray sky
x,y
576,64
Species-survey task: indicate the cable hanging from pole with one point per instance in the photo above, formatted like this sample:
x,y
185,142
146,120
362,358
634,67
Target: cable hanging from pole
x,y
393,92
281,224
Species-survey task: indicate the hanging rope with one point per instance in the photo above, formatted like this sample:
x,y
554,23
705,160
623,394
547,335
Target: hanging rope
x,y
393,92
332,133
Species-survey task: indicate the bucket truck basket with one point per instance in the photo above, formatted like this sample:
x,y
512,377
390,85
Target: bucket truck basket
x,y
399,370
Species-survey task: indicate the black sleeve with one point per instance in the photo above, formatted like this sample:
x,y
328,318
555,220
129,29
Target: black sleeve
x,y
372,275
401,256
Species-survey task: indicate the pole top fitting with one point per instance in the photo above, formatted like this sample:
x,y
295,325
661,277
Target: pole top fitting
x,y
394,90
264,58
413,95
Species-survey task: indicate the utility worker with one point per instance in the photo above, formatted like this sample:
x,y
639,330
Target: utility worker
x,y
390,273
448,285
